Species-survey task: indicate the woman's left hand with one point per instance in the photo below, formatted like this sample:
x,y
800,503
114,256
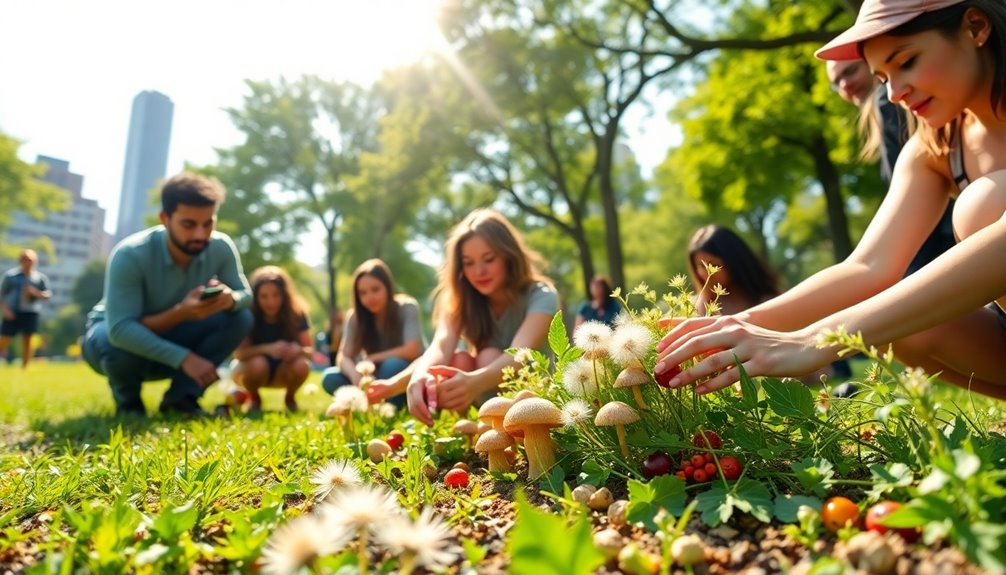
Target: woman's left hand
x,y
721,342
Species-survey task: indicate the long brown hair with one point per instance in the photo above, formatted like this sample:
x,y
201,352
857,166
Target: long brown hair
x,y
290,313
749,272
367,335
457,301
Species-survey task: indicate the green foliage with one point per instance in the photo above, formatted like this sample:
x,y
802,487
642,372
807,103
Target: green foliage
x,y
664,493
22,191
535,550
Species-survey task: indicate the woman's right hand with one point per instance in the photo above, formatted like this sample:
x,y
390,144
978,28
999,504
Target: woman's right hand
x,y
416,394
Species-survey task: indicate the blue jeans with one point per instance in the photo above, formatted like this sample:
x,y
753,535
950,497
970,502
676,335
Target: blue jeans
x,y
213,338
332,378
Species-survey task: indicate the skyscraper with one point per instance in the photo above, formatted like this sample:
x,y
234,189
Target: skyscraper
x,y
146,159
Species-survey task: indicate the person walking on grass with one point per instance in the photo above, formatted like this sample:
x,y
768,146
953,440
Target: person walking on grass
x,y
175,303
945,61
22,291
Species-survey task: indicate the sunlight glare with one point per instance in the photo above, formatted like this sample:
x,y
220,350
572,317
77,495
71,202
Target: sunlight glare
x,y
385,34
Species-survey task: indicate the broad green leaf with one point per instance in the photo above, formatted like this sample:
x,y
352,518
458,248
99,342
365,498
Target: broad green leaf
x,y
536,547
966,464
173,521
474,552
815,474
889,478
788,398
753,497
558,341
786,506
749,389
647,499
592,473
715,505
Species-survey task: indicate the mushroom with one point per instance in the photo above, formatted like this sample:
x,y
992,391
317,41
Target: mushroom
x,y
633,377
601,499
616,513
466,427
581,493
378,450
618,414
493,411
534,417
494,443
524,394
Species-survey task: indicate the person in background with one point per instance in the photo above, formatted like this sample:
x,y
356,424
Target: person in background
x,y
22,291
382,327
746,279
277,351
945,60
175,303
601,306
885,126
492,297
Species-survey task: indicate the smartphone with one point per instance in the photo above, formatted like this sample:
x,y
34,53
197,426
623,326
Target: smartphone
x,y
211,292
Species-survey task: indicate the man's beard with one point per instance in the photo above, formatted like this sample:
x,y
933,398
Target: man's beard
x,y
190,248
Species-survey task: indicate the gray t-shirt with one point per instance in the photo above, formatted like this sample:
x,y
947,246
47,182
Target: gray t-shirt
x,y
539,298
408,311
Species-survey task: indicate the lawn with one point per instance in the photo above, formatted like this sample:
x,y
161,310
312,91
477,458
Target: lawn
x,y
84,492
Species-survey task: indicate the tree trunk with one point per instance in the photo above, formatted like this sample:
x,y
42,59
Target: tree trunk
x,y
838,221
609,205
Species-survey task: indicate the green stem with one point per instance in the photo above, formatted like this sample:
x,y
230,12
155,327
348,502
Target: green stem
x,y
361,553
407,564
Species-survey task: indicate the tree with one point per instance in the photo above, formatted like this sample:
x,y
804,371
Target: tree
x,y
22,191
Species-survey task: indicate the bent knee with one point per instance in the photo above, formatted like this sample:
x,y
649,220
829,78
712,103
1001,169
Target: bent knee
x,y
980,204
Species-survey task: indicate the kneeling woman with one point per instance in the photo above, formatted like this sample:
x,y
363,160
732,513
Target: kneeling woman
x,y
490,295
276,352
382,327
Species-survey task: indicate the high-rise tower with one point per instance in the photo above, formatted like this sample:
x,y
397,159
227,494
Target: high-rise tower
x,y
146,159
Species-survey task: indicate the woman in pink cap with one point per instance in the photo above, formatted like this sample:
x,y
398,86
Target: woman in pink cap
x,y
944,61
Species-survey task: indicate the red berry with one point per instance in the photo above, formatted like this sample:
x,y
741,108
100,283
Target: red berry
x,y
698,461
705,439
682,475
689,471
839,512
395,439
730,467
664,378
709,457
710,469
657,463
456,478
875,517
700,476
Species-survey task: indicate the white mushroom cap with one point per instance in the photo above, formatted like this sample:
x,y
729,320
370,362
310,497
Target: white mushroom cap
x,y
530,412
631,376
615,413
524,394
494,407
493,440
466,427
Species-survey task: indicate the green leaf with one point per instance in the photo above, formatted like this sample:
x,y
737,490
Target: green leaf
x,y
474,552
889,478
786,506
749,390
173,521
665,492
966,464
753,497
815,474
593,473
552,481
536,549
558,341
788,399
714,505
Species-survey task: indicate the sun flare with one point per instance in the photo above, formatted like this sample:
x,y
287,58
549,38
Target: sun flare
x,y
385,34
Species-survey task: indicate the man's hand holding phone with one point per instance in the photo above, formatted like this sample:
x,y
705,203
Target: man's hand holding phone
x,y
205,301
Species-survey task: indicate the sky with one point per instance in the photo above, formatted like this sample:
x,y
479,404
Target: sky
x,y
71,68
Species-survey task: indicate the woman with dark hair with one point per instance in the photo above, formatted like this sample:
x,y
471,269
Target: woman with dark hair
x,y
944,60
382,327
601,306
277,350
744,276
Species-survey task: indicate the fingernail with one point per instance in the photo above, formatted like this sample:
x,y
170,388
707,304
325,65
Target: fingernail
x,y
659,368
676,382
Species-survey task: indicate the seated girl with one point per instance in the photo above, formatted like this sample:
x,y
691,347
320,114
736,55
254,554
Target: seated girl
x,y
382,327
277,350
490,296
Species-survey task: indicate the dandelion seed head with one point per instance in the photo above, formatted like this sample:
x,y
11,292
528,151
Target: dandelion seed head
x,y
592,337
334,475
427,540
629,344
386,410
575,412
578,379
297,544
361,506
350,398
366,367
523,356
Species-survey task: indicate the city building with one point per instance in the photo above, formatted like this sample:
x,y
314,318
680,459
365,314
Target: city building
x,y
146,160
77,234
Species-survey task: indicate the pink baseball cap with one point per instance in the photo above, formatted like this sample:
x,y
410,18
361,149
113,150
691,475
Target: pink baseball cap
x,y
877,17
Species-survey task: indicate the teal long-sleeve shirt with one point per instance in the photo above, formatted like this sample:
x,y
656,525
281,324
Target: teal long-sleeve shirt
x,y
141,280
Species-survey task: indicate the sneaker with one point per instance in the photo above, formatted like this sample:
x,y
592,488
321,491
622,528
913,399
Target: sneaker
x,y
185,407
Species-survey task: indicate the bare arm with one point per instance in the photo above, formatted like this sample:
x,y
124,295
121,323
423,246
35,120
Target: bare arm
x,y
407,351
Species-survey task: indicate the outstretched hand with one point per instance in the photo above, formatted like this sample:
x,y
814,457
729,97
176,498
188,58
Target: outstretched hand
x,y
723,342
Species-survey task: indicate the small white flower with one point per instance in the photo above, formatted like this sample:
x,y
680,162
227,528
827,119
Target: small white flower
x,y
310,389
366,367
386,410
361,506
592,337
630,344
575,411
523,356
427,540
350,398
335,474
578,379
298,543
